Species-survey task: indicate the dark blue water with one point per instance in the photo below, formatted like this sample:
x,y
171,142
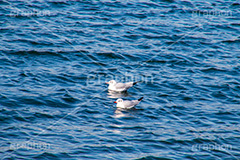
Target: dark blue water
x,y
55,56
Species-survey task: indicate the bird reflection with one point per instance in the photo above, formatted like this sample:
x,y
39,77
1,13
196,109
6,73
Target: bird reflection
x,y
113,94
119,112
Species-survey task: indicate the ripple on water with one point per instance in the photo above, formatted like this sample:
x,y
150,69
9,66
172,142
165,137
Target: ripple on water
x,y
53,68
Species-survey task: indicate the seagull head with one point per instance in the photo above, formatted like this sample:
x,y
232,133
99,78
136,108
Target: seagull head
x,y
118,101
112,82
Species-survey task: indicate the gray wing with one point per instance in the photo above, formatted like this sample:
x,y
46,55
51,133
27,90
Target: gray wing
x,y
130,104
120,85
124,85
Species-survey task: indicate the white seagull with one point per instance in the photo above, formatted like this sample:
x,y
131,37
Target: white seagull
x,y
127,104
119,87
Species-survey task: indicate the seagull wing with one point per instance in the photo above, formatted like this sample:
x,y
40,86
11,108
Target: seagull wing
x,y
129,104
120,86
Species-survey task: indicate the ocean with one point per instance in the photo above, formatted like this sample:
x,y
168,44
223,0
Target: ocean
x,y
56,55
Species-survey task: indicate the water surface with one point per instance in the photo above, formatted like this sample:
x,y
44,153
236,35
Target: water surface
x,y
56,55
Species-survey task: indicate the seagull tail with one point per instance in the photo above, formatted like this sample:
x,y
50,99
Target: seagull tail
x,y
140,99
135,83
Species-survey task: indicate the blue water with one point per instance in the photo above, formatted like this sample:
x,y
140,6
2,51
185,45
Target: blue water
x,y
55,56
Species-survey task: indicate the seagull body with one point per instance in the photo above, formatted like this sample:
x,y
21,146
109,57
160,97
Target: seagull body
x,y
120,87
127,104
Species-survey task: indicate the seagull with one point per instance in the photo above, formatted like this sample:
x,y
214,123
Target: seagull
x,y
127,104
119,87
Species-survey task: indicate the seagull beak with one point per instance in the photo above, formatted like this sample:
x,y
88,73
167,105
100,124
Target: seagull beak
x,y
115,102
107,82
